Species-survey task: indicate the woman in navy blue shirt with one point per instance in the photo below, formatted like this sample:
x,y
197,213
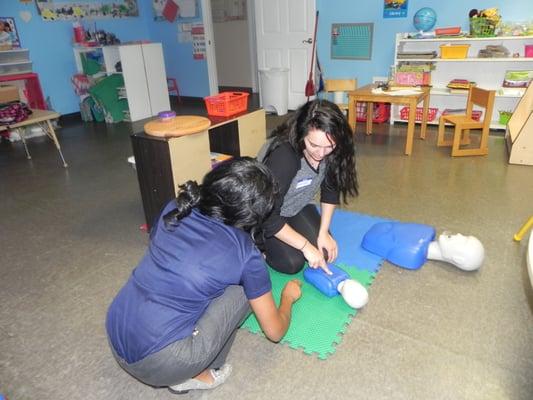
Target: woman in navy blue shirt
x,y
174,321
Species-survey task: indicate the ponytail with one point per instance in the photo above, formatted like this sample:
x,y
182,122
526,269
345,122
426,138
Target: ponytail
x,y
188,198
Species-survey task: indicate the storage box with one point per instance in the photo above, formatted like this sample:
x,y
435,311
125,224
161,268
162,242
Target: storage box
x,y
15,56
481,27
226,104
432,113
15,68
412,78
454,50
528,50
380,114
9,93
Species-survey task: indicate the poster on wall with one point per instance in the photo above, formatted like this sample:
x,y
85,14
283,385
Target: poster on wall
x,y
170,10
9,37
228,10
51,10
395,8
198,42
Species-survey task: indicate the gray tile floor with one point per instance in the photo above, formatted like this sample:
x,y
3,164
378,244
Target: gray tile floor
x,y
70,238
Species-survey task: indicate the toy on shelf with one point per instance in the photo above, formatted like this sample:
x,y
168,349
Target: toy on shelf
x,y
339,282
410,245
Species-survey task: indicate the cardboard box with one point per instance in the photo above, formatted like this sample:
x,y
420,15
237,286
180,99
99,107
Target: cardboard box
x,y
9,93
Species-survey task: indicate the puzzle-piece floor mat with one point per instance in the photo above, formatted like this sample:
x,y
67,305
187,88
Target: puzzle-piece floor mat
x,y
318,322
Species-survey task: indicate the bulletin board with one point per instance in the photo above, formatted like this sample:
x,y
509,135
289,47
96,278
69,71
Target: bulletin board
x,y
351,41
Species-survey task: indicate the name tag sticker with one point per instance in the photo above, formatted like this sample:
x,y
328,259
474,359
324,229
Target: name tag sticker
x,y
303,183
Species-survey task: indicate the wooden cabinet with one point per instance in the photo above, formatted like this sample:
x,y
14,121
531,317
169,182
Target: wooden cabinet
x,y
163,164
488,73
143,69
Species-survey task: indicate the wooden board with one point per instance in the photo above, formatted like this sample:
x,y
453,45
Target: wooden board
x,y
178,126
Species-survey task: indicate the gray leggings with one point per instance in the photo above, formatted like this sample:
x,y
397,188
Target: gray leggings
x,y
207,347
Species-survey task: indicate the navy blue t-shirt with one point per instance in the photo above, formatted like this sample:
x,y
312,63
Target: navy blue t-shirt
x,y
182,271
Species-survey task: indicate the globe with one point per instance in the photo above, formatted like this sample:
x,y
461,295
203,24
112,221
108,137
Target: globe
x,y
425,19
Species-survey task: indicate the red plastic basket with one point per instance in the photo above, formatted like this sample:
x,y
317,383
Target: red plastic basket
x,y
226,103
432,113
381,112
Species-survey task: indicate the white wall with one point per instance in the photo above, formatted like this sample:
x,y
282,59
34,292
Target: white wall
x,y
232,48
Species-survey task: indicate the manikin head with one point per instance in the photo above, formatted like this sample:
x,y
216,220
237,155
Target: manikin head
x,y
465,252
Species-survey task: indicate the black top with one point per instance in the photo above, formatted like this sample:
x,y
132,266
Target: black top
x,y
285,164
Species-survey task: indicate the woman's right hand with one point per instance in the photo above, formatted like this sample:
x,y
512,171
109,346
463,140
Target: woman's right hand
x,y
315,258
292,290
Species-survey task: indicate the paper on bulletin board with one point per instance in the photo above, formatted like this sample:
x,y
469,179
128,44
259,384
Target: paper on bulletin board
x,y
184,33
187,8
198,42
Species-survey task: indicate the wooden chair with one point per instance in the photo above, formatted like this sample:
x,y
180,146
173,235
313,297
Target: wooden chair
x,y
339,88
463,123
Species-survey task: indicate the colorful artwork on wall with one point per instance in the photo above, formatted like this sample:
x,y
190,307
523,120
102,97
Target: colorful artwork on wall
x,y
170,10
51,10
9,37
395,8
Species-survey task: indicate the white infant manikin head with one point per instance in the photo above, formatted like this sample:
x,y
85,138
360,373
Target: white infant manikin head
x,y
465,252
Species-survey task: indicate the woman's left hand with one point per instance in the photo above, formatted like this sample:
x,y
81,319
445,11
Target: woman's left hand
x,y
328,245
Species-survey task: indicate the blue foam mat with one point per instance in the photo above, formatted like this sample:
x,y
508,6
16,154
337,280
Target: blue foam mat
x,y
348,229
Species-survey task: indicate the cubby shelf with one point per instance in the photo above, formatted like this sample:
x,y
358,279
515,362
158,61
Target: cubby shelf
x,y
488,73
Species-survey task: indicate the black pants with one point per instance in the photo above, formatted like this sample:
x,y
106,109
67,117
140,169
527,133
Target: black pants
x,y
285,258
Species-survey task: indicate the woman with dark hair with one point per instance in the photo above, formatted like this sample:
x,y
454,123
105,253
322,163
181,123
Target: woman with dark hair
x,y
174,321
311,152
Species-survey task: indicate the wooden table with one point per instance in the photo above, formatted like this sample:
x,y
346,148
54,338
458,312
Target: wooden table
x,y
365,94
41,118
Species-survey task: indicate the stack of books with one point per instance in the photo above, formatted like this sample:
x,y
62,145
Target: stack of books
x,y
460,86
421,55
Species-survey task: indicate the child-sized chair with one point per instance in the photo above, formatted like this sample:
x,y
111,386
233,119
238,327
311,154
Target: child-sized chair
x,y
339,88
463,123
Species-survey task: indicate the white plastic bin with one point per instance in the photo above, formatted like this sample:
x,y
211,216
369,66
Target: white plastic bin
x,y
274,89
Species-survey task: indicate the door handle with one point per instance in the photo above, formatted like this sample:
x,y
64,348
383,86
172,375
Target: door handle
x,y
308,41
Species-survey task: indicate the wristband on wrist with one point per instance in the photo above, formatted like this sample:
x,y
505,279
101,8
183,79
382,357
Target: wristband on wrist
x,y
305,244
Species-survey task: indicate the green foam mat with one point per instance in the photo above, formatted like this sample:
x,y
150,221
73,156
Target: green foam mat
x,y
317,321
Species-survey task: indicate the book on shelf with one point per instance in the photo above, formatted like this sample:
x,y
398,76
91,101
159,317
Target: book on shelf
x,y
459,86
422,55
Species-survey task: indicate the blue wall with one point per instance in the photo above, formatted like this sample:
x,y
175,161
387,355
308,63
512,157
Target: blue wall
x,y
190,74
50,43
449,13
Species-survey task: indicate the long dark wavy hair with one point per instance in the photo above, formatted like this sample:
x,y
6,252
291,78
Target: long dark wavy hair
x,y
239,192
325,116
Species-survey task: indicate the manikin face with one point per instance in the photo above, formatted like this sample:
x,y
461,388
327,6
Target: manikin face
x,y
318,145
466,252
